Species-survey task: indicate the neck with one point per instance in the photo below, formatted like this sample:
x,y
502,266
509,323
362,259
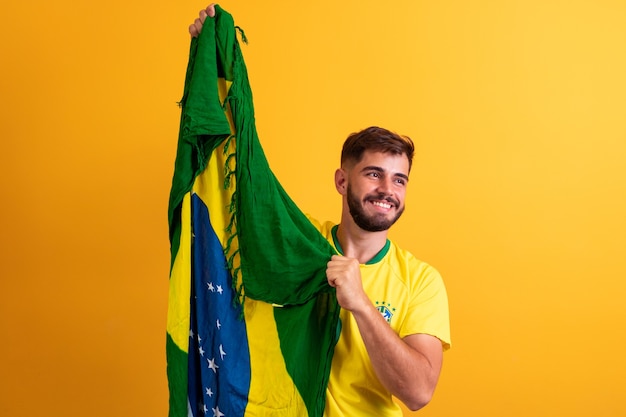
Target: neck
x,y
360,244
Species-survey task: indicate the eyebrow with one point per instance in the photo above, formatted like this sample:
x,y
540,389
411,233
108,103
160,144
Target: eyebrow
x,y
382,171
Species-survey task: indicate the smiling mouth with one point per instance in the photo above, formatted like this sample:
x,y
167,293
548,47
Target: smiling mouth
x,y
382,204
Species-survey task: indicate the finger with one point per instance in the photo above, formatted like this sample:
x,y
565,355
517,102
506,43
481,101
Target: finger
x,y
193,31
331,274
211,10
332,282
334,271
203,15
195,28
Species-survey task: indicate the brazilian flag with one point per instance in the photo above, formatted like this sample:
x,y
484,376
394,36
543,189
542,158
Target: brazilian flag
x,y
252,322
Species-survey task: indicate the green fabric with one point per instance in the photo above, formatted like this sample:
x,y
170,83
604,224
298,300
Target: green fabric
x,y
283,256
176,378
308,335
203,126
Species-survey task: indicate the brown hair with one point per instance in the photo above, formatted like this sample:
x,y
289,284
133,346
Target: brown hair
x,y
376,139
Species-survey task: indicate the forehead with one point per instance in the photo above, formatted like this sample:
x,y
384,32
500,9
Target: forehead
x,y
392,163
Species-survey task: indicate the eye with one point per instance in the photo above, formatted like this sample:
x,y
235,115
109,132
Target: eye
x,y
373,174
400,181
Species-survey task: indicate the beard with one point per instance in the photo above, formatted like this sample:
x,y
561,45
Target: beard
x,y
376,222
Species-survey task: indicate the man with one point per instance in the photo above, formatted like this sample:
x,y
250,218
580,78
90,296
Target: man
x,y
394,316
398,352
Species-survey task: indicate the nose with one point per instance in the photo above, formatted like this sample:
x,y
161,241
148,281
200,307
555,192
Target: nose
x,y
385,186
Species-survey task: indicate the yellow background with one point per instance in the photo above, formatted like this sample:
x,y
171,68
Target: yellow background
x,y
518,193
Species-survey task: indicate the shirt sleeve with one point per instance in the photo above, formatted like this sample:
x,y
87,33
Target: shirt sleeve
x,y
428,305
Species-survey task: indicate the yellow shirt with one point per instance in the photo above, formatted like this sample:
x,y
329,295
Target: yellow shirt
x,y
410,294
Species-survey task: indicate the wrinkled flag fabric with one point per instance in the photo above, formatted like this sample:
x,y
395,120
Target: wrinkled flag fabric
x,y
252,322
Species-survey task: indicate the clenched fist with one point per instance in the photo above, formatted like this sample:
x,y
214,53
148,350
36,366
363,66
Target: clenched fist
x,y
344,274
196,27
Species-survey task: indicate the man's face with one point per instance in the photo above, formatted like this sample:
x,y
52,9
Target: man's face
x,y
376,187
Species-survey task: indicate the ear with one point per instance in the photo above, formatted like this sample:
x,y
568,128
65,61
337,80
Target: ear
x,y
341,181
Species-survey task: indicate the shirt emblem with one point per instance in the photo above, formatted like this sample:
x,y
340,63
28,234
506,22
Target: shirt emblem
x,y
386,310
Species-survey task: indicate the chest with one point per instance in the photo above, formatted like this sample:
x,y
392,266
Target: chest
x,y
388,292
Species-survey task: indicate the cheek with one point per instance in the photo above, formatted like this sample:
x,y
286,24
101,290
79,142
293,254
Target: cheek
x,y
401,194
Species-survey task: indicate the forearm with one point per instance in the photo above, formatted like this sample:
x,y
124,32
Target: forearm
x,y
405,371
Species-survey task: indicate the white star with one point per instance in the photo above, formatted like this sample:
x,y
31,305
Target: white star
x,y
211,287
212,365
218,324
222,353
201,351
191,333
199,339
217,412
219,289
209,392
205,409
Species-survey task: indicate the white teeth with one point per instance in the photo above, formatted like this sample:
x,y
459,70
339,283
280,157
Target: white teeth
x,y
381,204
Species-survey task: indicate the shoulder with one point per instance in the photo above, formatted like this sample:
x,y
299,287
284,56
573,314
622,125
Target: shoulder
x,y
325,228
413,271
427,298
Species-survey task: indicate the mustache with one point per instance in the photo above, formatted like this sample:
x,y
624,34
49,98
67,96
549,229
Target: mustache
x,y
382,197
